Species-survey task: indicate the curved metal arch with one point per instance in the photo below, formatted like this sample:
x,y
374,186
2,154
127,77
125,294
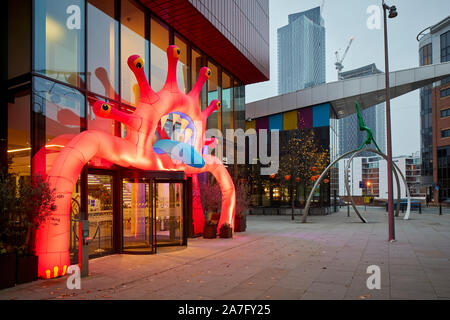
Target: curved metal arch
x,y
396,178
308,203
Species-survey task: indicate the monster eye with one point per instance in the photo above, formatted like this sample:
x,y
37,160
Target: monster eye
x,y
208,73
106,108
219,104
139,63
176,52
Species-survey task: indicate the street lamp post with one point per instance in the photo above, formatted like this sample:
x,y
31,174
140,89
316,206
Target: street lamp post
x,y
392,14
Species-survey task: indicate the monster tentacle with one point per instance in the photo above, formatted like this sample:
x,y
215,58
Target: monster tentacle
x,y
213,106
173,53
223,178
105,110
203,76
52,237
136,65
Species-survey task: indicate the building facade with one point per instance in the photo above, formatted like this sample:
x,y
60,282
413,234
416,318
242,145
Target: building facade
x,y
301,51
65,54
350,137
434,47
367,176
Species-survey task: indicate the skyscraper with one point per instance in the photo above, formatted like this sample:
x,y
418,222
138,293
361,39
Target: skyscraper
x,y
301,51
350,138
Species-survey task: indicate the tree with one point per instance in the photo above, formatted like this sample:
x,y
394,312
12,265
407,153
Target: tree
x,y
24,205
302,160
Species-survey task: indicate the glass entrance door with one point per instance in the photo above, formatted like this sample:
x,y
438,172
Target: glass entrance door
x,y
137,215
169,212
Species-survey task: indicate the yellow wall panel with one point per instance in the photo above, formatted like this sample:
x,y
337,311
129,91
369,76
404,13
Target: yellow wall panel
x,y
290,120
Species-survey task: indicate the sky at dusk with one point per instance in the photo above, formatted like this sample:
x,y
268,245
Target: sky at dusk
x,y
347,18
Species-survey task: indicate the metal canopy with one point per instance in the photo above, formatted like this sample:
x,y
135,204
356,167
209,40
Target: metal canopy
x,y
367,91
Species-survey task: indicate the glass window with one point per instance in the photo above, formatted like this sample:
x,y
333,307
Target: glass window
x,y
59,40
197,63
160,42
445,93
19,37
445,133
19,138
103,49
59,112
182,67
227,108
445,47
134,41
445,113
239,105
214,120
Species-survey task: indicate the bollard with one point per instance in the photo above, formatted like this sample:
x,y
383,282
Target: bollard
x,y
440,209
420,208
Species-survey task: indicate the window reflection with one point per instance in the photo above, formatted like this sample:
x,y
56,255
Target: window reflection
x,y
227,109
60,116
19,144
160,42
59,40
197,63
103,48
182,66
134,41
214,120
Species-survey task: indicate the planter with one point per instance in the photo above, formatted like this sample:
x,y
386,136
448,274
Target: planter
x,y
240,223
210,231
27,269
7,270
226,233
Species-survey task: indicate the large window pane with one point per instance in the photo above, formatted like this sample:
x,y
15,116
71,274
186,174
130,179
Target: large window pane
x,y
103,48
160,42
239,105
182,67
214,121
59,40
19,138
197,63
134,41
59,116
227,108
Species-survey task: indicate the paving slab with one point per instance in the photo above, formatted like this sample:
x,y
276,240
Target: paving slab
x,y
276,258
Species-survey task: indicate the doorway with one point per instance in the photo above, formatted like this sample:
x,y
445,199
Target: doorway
x,y
169,212
153,210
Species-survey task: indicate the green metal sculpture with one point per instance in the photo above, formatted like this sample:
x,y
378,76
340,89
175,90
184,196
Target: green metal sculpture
x,y
363,127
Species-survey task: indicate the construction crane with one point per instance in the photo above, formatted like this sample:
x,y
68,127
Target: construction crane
x,y
340,60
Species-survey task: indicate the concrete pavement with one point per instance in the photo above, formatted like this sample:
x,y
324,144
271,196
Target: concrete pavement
x,y
276,258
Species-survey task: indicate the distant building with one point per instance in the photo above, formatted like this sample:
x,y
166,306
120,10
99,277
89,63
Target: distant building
x,y
350,138
301,51
372,172
434,47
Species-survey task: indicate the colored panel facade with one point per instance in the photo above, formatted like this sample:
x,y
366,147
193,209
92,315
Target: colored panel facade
x,y
290,120
305,118
262,123
250,125
276,122
321,115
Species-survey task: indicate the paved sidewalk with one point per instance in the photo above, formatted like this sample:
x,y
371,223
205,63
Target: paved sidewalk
x,y
276,258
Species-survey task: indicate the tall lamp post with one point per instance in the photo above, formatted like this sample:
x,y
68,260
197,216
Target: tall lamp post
x,y
392,10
